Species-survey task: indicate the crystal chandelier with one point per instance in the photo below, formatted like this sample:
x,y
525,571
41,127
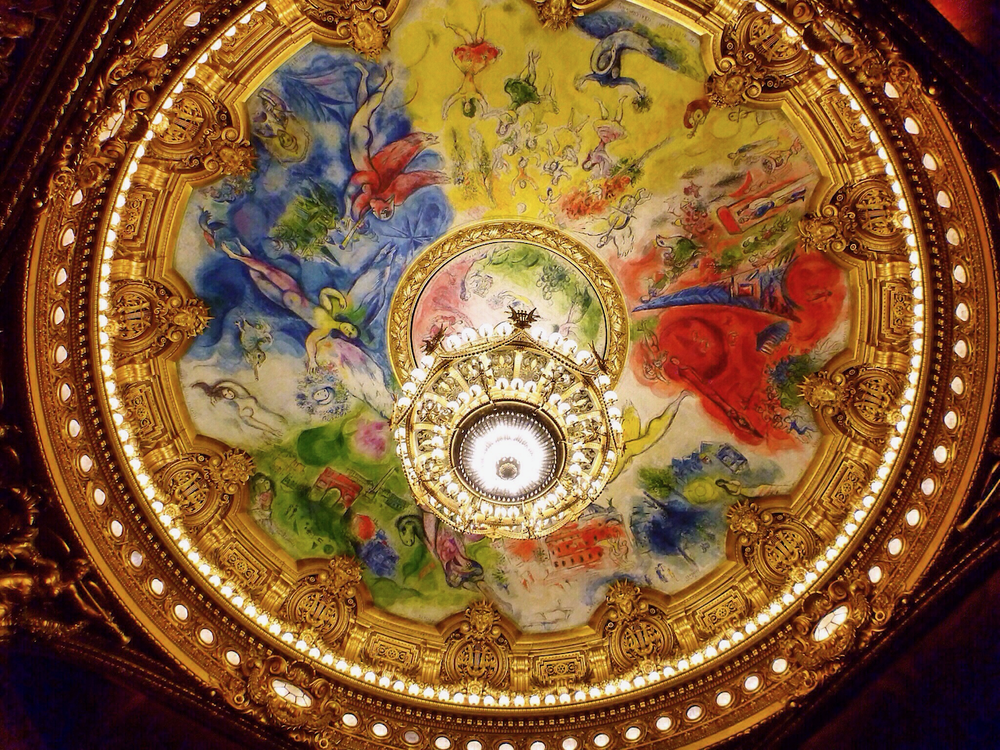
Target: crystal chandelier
x,y
507,432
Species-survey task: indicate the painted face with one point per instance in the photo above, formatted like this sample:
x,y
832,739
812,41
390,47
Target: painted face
x,y
383,209
408,533
479,283
324,395
280,131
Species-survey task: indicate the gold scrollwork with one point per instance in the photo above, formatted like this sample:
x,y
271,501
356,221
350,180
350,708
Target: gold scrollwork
x,y
771,543
477,653
144,413
325,601
203,486
49,597
723,612
364,24
848,485
199,136
894,311
635,631
819,654
558,14
237,560
861,401
559,669
286,694
397,654
145,319
862,220
759,59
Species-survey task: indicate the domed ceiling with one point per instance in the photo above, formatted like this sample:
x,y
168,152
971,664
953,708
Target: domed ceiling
x,y
750,216
686,257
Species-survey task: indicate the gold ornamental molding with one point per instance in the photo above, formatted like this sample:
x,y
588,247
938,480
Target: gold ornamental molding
x,y
558,14
811,579
363,24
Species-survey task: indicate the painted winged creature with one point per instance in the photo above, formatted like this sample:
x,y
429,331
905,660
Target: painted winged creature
x,y
380,183
324,317
330,345
218,234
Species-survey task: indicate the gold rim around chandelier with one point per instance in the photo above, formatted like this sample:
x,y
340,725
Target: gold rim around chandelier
x,y
403,346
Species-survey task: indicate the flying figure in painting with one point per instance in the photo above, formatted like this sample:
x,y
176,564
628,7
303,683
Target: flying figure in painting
x,y
618,34
323,317
619,232
330,345
255,339
379,183
471,57
609,129
248,408
218,234
636,439
523,90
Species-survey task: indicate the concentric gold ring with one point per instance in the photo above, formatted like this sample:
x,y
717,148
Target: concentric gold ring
x,y
403,348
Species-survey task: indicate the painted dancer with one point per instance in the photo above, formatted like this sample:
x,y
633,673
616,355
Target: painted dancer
x,y
379,183
472,57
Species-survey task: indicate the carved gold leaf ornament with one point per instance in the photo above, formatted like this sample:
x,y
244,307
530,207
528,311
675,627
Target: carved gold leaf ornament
x,y
862,220
773,544
866,401
558,14
146,319
635,630
364,24
199,137
860,400
760,59
477,653
44,590
287,694
325,601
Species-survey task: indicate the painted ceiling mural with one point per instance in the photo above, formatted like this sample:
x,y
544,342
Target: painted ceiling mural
x,y
601,131
754,220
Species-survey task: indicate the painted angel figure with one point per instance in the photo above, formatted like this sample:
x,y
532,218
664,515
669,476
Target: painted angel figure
x,y
379,182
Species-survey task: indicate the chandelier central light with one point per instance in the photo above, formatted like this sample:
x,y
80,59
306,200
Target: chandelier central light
x,y
506,431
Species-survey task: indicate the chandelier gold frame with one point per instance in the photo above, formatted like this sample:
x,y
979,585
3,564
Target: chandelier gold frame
x,y
403,353
493,371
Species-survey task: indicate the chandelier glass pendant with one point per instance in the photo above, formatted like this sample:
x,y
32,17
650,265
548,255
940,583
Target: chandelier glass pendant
x,y
507,432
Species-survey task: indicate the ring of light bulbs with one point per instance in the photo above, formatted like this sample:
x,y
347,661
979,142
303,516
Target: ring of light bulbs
x,y
244,603
458,421
506,453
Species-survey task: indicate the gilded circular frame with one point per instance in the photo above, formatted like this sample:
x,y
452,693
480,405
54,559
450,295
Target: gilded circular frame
x,y
896,539
439,253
